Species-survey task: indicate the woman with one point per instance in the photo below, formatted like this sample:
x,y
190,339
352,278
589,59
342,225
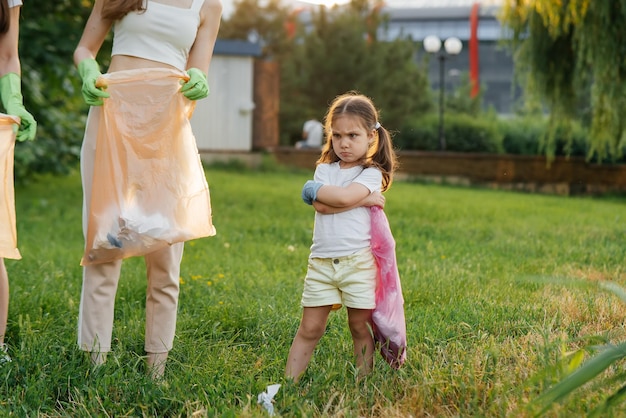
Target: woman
x,y
11,95
153,34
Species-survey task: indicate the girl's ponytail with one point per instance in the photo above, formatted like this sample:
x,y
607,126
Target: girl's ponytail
x,y
385,156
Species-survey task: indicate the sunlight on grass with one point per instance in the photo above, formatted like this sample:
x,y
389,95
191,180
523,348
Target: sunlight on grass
x,y
480,336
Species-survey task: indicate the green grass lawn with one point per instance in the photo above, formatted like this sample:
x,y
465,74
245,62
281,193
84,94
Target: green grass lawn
x,y
485,335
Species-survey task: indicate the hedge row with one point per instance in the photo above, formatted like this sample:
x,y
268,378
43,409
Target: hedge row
x,y
490,134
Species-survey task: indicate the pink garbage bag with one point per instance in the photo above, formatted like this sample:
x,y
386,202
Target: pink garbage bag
x,y
388,319
149,189
8,230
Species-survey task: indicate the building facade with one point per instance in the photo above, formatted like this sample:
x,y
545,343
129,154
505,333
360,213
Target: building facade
x,y
484,59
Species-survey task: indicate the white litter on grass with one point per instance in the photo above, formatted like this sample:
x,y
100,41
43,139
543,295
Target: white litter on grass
x,y
134,228
266,398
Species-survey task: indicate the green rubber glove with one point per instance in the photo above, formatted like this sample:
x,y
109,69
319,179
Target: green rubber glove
x,y
197,87
89,71
13,102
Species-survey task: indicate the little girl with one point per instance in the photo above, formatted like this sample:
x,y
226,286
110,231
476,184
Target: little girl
x,y
356,164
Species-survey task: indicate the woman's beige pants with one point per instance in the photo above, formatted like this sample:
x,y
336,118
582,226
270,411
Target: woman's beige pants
x,y
95,318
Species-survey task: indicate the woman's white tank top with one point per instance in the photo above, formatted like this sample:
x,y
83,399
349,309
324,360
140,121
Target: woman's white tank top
x,y
161,33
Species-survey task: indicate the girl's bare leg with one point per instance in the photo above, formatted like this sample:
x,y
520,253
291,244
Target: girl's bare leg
x,y
311,329
360,323
4,300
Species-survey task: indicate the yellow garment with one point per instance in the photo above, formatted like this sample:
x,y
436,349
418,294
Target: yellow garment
x,y
149,189
8,230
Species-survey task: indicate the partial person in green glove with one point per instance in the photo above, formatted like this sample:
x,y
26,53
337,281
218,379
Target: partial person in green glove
x,y
12,101
10,80
11,97
175,34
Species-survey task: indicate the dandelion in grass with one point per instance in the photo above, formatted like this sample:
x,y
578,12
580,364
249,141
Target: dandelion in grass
x,y
209,283
196,276
220,276
181,280
443,257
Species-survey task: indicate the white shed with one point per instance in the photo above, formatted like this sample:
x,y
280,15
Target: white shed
x,y
223,121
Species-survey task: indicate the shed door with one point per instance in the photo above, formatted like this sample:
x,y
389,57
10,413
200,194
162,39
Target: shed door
x,y
223,121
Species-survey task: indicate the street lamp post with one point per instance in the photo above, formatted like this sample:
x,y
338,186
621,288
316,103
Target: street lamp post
x,y
451,46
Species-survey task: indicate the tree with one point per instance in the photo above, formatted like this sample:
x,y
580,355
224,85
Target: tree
x,y
266,23
327,52
49,32
342,52
572,56
461,100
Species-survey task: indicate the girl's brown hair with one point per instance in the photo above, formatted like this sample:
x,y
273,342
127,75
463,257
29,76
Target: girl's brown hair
x,y
381,153
5,16
117,9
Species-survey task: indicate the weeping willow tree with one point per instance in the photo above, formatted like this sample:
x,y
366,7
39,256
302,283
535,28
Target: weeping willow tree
x,y
571,55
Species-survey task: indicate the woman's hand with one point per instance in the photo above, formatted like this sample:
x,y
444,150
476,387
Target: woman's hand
x,y
89,71
197,87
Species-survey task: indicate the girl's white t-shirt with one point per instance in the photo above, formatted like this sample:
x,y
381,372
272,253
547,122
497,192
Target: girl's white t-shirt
x,y
13,3
345,233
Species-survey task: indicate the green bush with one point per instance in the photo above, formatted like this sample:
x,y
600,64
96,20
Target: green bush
x,y
51,86
529,136
463,133
521,136
569,140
